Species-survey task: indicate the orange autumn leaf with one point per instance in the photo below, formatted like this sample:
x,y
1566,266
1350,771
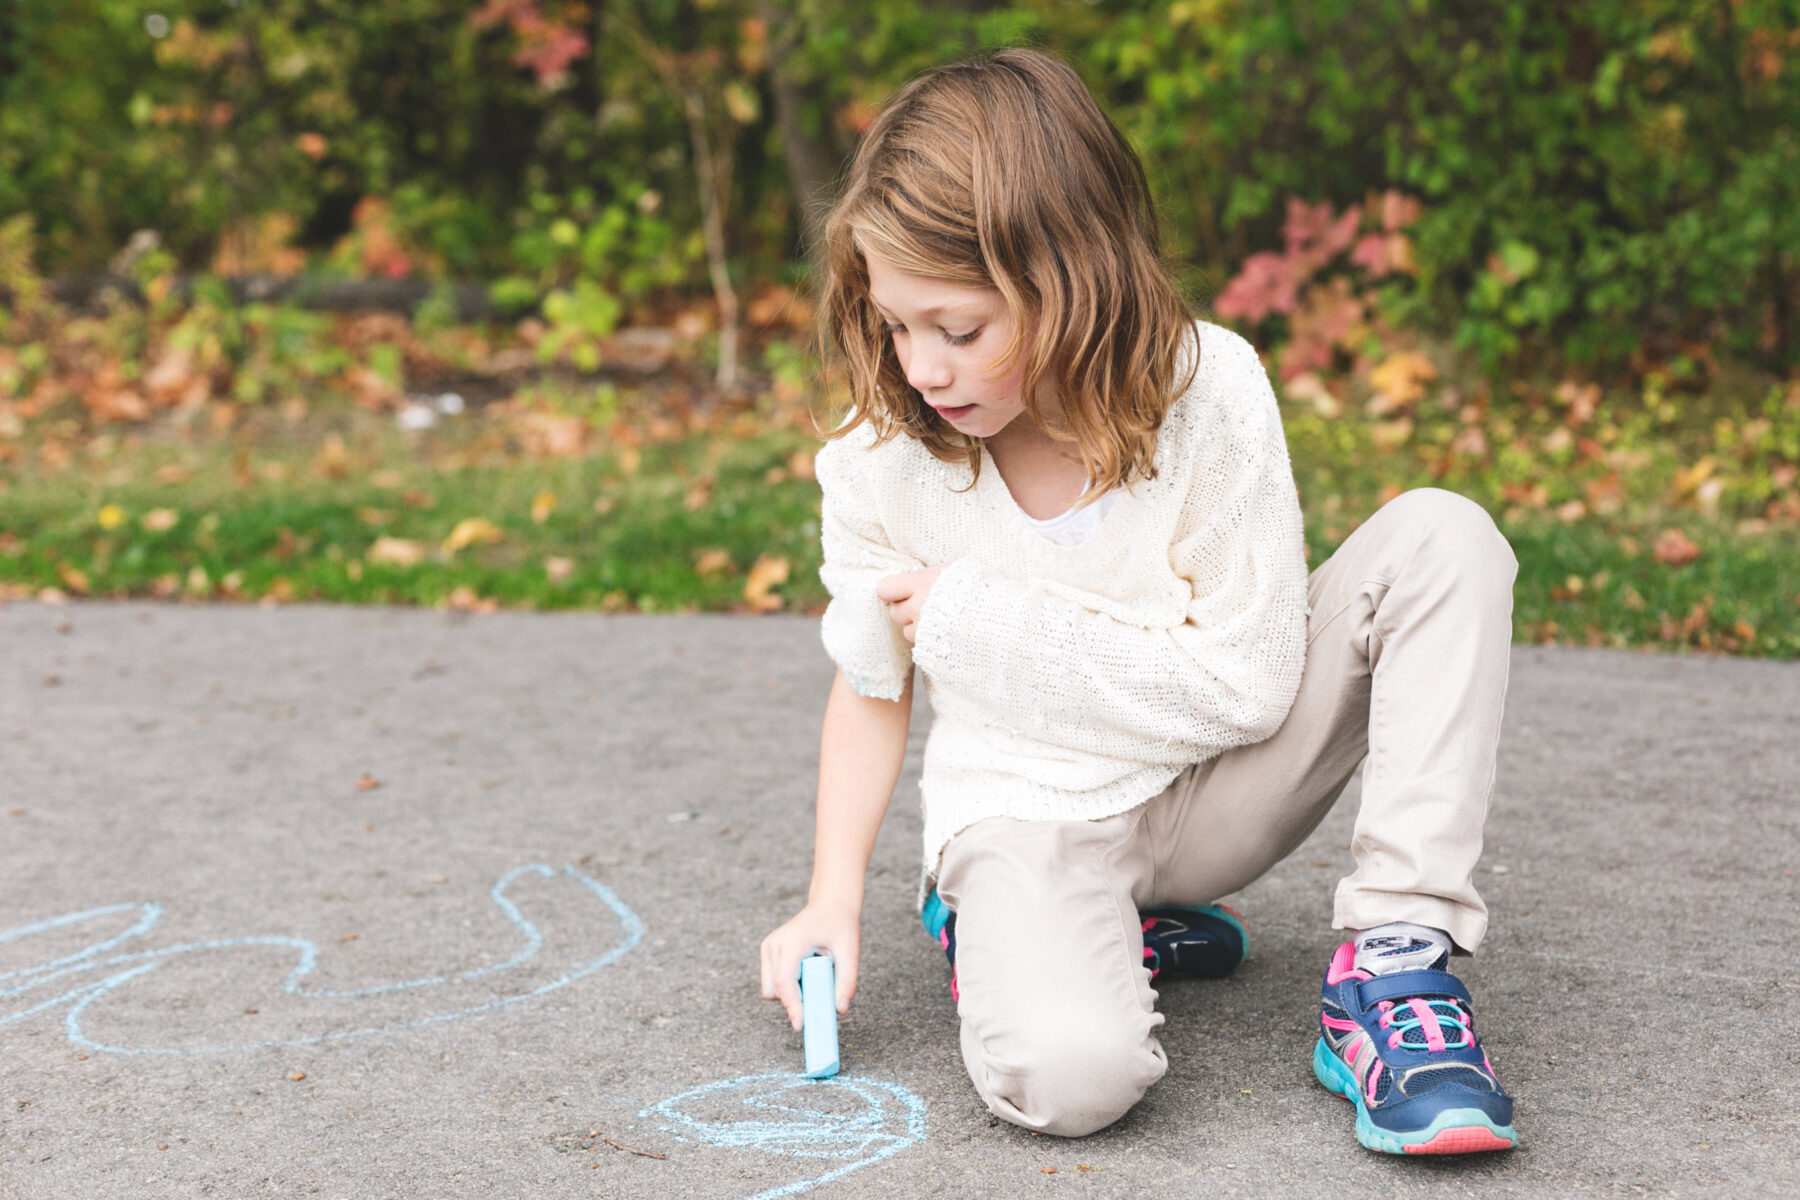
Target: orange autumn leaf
x,y
768,571
1399,381
471,531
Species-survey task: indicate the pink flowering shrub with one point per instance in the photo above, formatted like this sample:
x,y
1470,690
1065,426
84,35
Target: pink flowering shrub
x,y
1322,283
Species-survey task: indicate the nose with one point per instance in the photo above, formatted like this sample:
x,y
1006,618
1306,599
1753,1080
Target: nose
x,y
925,370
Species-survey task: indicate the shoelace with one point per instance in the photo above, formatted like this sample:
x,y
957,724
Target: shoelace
x,y
1428,1016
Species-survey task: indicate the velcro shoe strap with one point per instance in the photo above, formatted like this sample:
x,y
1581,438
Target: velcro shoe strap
x,y
1408,985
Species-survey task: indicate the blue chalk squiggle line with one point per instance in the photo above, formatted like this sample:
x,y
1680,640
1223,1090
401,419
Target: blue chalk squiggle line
x,y
806,1131
138,963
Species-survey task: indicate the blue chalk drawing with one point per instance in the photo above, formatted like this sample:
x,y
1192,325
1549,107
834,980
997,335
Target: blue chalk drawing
x,y
120,969
862,1120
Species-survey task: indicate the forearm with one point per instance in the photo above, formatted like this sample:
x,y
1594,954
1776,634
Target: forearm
x,y
862,746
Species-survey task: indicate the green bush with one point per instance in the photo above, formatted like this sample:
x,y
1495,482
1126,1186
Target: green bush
x,y
1594,177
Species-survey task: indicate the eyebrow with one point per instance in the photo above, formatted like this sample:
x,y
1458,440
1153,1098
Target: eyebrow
x,y
933,311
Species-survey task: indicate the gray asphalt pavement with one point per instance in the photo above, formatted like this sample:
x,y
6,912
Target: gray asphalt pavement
x,y
372,903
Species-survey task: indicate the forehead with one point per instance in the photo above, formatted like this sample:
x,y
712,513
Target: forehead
x,y
896,290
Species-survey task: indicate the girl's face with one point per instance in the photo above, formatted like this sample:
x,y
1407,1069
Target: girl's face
x,y
948,338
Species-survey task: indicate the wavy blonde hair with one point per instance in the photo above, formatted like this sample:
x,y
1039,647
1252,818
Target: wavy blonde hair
x,y
1002,172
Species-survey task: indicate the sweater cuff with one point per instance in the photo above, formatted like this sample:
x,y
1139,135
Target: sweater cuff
x,y
954,602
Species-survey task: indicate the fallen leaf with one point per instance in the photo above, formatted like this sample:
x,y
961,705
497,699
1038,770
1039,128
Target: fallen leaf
x,y
469,531
542,505
1399,381
1673,548
297,1076
173,473
1391,435
333,458
367,782
1688,479
1581,399
396,552
699,493
312,144
714,560
73,577
1309,387
767,571
557,569
800,464
110,516
159,520
466,599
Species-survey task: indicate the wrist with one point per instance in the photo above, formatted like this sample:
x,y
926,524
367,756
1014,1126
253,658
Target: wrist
x,y
836,895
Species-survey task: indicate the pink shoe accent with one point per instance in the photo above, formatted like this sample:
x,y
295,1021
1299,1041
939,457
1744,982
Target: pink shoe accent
x,y
1428,1022
1369,1087
1343,965
955,992
1337,1023
1469,1139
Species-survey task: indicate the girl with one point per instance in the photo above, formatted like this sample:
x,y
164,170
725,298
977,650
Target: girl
x,y
1069,505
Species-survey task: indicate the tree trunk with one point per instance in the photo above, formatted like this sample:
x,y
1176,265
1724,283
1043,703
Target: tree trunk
x,y
812,161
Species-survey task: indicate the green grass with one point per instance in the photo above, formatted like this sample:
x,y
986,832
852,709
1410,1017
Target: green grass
x,y
631,539
269,516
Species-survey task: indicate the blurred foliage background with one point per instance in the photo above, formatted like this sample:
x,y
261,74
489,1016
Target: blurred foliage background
x,y
1592,175
1455,228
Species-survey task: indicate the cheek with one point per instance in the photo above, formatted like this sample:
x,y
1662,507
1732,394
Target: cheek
x,y
1001,385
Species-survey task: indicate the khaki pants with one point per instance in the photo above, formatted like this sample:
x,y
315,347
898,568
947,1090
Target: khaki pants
x,y
1406,663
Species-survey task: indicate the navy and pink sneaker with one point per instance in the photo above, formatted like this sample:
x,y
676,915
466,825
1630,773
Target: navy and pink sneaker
x,y
1402,1047
1205,941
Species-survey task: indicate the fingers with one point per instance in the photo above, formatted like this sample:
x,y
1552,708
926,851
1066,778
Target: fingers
x,y
894,587
846,981
788,992
780,976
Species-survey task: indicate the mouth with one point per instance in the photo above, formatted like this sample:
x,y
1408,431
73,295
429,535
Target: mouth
x,y
956,413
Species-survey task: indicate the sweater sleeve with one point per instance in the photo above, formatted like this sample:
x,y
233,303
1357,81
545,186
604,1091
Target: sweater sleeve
x,y
1034,657
858,634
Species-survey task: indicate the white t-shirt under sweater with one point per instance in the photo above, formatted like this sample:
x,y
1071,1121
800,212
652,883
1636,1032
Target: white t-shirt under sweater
x,y
1075,525
1075,682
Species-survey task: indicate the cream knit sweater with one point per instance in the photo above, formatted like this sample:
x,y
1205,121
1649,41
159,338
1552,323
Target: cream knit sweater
x,y
1074,682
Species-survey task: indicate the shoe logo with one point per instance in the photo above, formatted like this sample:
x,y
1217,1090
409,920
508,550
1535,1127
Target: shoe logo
x,y
1386,946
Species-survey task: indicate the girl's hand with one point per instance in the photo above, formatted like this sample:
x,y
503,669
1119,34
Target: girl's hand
x,y
833,931
905,596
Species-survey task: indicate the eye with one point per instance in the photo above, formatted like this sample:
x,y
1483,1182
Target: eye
x,y
895,328
962,339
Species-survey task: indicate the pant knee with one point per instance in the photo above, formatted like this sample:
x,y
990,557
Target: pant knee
x,y
1069,1081
1456,527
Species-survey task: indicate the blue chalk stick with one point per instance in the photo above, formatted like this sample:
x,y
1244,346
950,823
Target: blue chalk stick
x,y
818,1015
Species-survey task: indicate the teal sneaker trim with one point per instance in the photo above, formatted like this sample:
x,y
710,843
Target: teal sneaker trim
x,y
1335,1075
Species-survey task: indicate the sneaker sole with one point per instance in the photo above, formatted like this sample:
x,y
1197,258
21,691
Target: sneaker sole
x,y
1453,1131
